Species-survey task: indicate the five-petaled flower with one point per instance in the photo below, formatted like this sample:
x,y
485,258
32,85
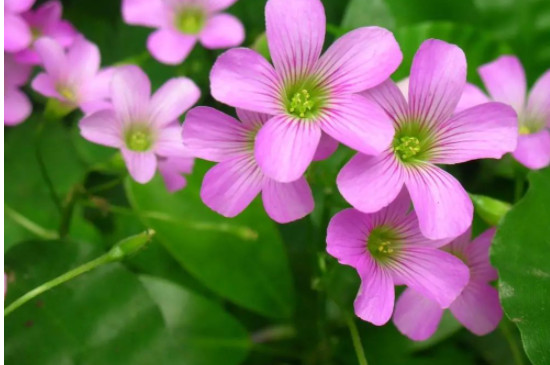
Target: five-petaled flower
x,y
387,249
17,34
427,132
143,127
477,307
73,77
505,81
181,23
306,93
230,186
17,106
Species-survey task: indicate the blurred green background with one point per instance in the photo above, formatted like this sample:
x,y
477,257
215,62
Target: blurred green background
x,y
210,290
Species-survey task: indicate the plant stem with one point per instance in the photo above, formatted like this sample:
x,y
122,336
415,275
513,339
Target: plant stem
x,y
101,260
356,339
29,225
44,170
518,188
514,348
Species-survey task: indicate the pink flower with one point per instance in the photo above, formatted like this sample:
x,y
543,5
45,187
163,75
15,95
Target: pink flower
x,y
505,80
477,307
173,168
17,34
73,77
17,106
181,23
143,127
387,248
427,133
306,93
46,22
230,186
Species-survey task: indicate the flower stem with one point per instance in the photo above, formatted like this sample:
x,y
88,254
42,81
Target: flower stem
x,y
518,188
514,348
356,339
44,170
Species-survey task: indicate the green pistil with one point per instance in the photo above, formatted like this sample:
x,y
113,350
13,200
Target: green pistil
x,y
412,142
67,93
383,243
35,33
407,147
301,104
139,138
190,21
304,99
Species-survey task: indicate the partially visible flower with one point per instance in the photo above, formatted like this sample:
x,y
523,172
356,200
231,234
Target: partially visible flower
x,y
477,307
17,106
46,22
181,23
17,33
427,132
387,249
173,169
305,93
505,81
143,127
73,77
230,186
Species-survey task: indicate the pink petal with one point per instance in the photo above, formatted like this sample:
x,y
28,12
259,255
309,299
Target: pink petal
x,y
17,34
53,58
169,46
347,234
169,141
358,123
295,33
477,257
438,76
459,244
285,147
222,31
327,146
390,97
375,300
539,99
533,150
63,32
103,128
45,85
444,209
17,106
212,135
141,165
17,6
172,170
287,202
370,183
471,96
244,79
47,14
433,273
150,13
478,308
84,59
217,5
98,88
252,120
488,130
360,59
230,186
416,316
173,99
130,93
504,78
15,73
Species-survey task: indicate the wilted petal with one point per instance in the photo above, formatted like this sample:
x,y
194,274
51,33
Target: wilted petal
x,y
504,78
287,202
416,316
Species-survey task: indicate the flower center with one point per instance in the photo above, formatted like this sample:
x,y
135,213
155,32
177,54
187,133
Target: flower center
x,y
304,99
35,33
139,138
383,242
412,142
301,104
67,93
407,147
190,20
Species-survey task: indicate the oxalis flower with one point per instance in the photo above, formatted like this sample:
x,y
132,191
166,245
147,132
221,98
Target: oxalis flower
x,y
387,249
306,93
17,106
73,77
143,127
173,168
45,21
230,186
17,34
181,23
427,133
477,307
505,81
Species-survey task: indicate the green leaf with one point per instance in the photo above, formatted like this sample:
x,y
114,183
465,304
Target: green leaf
x,y
241,259
520,254
205,332
362,13
102,317
489,209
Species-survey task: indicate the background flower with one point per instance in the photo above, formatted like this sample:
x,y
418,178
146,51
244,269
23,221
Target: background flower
x,y
17,106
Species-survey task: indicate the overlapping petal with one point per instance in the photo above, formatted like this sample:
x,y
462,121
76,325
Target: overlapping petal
x,y
172,99
169,46
347,235
222,31
416,316
130,93
287,202
103,128
141,165
505,80
533,150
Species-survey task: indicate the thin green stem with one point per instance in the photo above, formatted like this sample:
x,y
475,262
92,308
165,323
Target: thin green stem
x,y
44,170
29,225
518,188
356,339
106,258
509,336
